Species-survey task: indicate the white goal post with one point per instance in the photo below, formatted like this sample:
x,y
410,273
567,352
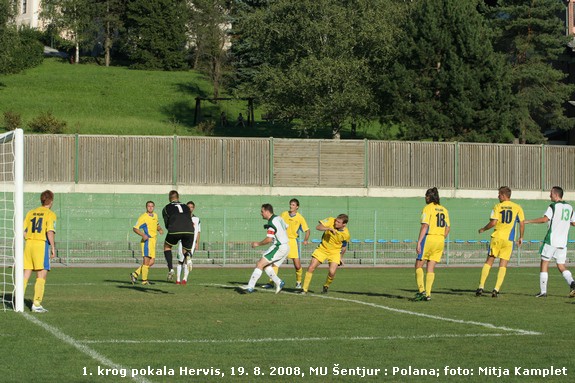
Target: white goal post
x,y
11,219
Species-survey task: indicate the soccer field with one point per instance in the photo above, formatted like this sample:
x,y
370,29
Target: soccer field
x,y
101,328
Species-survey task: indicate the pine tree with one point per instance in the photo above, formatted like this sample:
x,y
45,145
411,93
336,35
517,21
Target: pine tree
x,y
531,34
447,82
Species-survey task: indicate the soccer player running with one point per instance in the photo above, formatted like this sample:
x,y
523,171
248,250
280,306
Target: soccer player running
x,y
147,227
276,254
178,221
435,226
295,222
40,234
181,256
559,218
332,248
504,218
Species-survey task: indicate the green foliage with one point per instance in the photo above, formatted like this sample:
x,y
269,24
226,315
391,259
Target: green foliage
x,y
209,23
47,123
73,18
300,66
30,52
447,82
12,120
19,49
156,34
531,34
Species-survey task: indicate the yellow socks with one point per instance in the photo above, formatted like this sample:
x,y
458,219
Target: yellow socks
x,y
419,279
328,281
429,282
298,274
307,280
500,277
484,274
145,270
39,291
138,271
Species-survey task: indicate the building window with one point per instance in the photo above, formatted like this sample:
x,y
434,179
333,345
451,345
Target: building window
x,y
24,6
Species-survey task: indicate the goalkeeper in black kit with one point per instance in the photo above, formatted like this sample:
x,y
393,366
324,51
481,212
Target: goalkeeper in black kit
x,y
178,221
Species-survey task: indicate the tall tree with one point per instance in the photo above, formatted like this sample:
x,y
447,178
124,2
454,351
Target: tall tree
x,y
73,18
532,35
209,25
108,16
156,34
447,82
314,64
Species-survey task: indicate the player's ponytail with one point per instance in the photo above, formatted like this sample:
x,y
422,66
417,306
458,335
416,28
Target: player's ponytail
x,y
432,195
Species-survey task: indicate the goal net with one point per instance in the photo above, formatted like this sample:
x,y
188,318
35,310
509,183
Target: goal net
x,y
11,220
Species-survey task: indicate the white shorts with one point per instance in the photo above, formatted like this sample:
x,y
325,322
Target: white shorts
x,y
276,254
549,252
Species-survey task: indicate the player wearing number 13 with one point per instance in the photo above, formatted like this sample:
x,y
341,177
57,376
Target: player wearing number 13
x,y
504,218
39,232
435,226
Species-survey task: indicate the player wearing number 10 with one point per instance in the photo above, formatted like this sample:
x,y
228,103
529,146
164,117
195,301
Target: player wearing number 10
x,y
504,217
39,232
434,229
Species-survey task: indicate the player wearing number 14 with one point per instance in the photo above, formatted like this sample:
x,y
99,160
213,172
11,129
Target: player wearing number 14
x,y
39,232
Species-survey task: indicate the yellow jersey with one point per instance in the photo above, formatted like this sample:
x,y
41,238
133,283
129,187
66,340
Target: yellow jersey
x,y
148,224
333,242
295,224
437,217
38,223
507,214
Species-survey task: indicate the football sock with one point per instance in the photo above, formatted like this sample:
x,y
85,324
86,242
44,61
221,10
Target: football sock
x,y
145,270
178,272
543,277
168,256
298,274
328,281
429,283
25,285
138,271
484,274
186,272
254,278
419,279
568,277
307,280
270,271
39,291
500,277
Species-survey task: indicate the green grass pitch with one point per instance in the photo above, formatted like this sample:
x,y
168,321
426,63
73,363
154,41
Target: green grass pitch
x,y
100,327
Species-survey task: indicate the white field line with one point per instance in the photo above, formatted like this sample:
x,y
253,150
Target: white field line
x,y
401,311
312,339
79,346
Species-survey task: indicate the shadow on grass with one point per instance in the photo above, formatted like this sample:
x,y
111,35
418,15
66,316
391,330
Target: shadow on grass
x,y
370,294
151,288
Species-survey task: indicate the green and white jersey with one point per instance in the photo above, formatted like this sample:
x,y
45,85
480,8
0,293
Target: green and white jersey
x,y
560,216
277,229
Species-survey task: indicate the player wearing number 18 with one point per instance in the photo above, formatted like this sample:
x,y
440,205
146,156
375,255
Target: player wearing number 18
x,y
504,218
39,232
434,229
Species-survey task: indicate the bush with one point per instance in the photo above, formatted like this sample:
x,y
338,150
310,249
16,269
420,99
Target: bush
x,y
30,52
12,120
207,127
47,123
